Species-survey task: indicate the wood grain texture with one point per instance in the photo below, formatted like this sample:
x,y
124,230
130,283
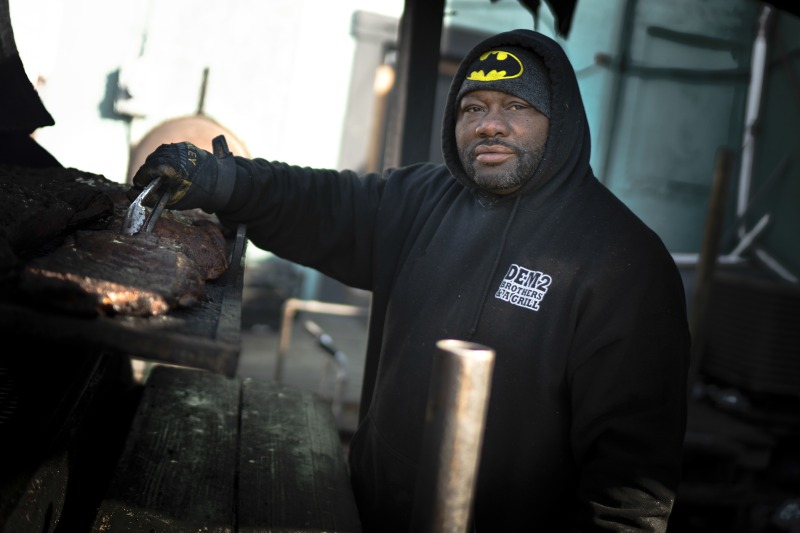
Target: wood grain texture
x,y
212,453
293,475
177,471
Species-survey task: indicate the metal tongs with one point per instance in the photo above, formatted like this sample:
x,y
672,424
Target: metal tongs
x,y
138,218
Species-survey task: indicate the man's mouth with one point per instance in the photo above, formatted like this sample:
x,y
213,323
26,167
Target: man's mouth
x,y
492,154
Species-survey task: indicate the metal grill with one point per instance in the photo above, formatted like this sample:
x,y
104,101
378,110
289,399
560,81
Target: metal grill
x,y
753,335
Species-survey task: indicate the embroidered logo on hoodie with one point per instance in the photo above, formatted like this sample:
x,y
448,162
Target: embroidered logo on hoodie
x,y
523,287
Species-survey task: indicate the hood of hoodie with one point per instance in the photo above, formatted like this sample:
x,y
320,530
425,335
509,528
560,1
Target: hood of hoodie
x,y
567,149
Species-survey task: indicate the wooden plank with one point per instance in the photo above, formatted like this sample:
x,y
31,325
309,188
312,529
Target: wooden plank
x,y
177,470
184,337
206,335
210,453
34,500
293,475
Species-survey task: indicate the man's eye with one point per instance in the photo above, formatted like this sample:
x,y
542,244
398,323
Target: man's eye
x,y
471,109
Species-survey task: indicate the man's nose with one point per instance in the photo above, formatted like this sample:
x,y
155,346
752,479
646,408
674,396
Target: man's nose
x,y
492,124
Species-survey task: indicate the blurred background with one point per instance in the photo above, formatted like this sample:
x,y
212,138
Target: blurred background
x,y
693,107
666,85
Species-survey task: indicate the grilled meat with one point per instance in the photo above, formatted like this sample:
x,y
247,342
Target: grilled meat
x,y
64,227
199,237
106,272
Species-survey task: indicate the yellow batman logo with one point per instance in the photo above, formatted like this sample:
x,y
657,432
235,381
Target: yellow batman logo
x,y
497,65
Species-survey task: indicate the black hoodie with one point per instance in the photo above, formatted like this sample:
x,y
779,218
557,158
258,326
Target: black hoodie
x,y
581,302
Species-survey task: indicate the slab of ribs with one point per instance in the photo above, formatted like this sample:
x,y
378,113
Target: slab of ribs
x,y
61,247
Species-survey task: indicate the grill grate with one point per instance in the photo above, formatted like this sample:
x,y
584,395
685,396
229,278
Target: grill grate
x,y
753,335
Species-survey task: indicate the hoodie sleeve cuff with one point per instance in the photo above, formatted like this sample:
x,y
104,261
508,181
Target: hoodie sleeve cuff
x,y
223,189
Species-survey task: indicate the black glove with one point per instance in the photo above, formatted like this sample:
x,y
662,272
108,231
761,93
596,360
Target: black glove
x,y
196,177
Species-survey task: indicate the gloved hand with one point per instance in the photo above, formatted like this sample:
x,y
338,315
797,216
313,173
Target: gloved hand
x,y
197,177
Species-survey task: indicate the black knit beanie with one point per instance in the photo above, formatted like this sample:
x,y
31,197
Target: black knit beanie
x,y
512,70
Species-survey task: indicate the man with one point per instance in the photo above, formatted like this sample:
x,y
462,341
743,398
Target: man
x,y
512,244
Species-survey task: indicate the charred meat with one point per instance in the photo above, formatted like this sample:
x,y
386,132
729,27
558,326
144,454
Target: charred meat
x,y
106,272
61,238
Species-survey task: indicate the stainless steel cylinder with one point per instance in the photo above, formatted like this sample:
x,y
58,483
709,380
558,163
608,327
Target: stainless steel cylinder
x,y
454,422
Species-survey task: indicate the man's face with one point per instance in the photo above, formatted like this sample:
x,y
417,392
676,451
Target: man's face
x,y
500,139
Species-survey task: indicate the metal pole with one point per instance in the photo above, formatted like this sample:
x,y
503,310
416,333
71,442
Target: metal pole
x,y
758,70
707,262
451,445
289,309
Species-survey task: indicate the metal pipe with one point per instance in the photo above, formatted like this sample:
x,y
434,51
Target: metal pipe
x,y
339,358
453,436
758,67
707,263
289,309
749,238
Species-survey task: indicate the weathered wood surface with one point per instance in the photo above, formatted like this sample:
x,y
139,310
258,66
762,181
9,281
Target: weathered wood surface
x,y
292,473
206,335
210,453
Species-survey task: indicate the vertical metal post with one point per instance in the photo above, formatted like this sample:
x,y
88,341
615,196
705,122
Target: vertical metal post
x,y
754,91
707,261
454,422
419,41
